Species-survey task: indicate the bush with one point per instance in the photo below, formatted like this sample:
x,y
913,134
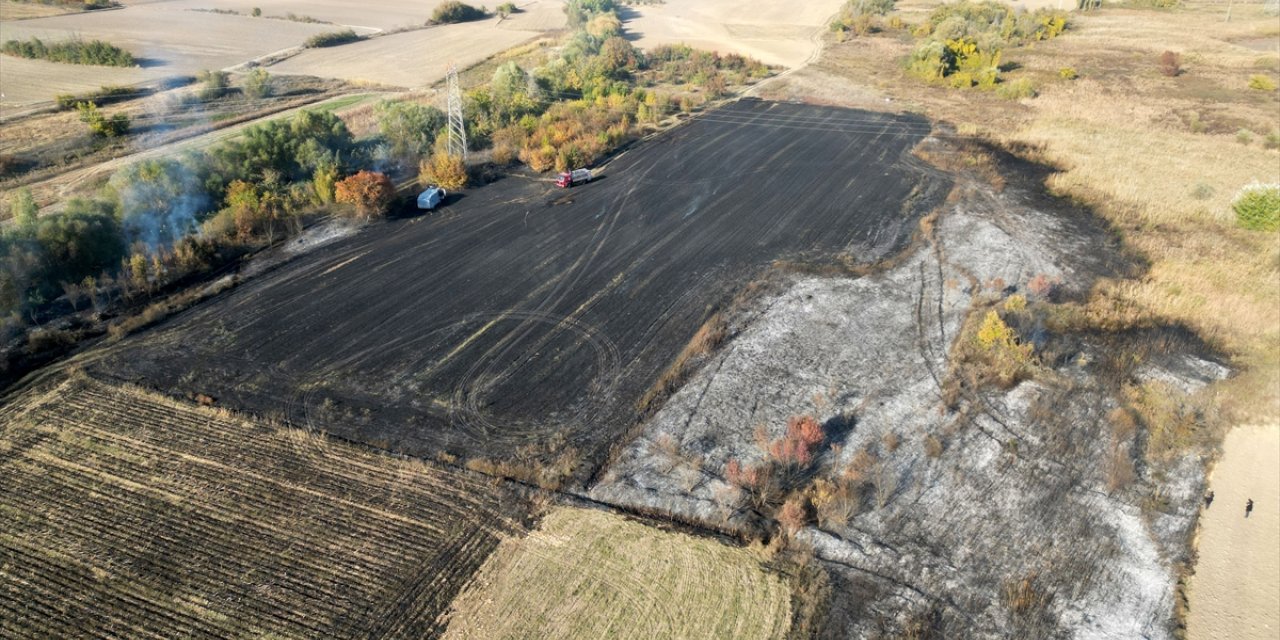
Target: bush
x,y
1261,83
94,52
1257,207
507,8
1272,141
332,39
1019,89
214,84
454,11
258,83
443,169
1170,64
1007,359
100,125
368,191
104,95
961,62
1068,73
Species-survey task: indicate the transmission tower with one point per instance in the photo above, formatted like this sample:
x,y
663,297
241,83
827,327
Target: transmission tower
x,y
457,128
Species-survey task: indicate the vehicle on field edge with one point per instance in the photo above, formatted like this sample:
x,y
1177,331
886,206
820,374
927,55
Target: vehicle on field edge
x,y
431,198
571,178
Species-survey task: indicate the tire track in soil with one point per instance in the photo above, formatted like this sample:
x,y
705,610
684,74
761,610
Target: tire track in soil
x,y
590,293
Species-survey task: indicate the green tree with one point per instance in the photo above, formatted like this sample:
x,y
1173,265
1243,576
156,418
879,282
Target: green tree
x,y
160,201
408,127
78,243
22,205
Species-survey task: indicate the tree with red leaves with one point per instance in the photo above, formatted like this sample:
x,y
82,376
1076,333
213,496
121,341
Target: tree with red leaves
x,y
369,191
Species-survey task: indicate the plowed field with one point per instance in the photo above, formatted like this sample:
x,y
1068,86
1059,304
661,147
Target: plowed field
x,y
128,515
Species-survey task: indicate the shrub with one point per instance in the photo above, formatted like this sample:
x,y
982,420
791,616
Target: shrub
x,y
507,8
454,11
1068,73
793,515
1272,141
961,62
1261,83
932,446
1170,64
332,39
214,84
368,191
100,125
443,169
23,207
95,52
1244,136
1019,89
258,83
104,95
1257,207
257,12
1007,358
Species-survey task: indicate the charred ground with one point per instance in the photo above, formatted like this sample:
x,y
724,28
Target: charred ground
x,y
525,316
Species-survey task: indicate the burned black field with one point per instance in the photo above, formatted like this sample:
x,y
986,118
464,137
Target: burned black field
x,y
522,314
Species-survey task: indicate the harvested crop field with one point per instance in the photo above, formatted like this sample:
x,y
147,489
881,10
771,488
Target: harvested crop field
x,y
411,59
527,315
787,34
168,41
591,574
129,515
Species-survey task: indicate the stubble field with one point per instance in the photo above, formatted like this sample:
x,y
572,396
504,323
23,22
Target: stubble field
x,y
168,42
130,515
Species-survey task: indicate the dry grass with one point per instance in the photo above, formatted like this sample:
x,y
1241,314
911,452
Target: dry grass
x,y
708,337
592,574
16,10
1159,157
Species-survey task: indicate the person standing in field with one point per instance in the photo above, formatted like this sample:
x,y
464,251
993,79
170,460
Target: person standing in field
x,y
1248,507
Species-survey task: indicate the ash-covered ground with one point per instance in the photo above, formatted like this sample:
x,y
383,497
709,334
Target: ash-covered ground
x,y
986,515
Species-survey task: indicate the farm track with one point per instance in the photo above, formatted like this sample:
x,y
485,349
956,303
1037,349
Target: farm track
x,y
520,312
131,515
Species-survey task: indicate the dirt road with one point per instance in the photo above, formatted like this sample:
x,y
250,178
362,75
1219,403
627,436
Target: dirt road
x,y
1235,594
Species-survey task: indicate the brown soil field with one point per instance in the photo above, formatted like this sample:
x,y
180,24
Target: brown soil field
x,y
128,515
592,574
168,42
412,59
380,14
775,33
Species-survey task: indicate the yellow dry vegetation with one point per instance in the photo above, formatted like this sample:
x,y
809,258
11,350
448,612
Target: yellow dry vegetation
x,y
590,574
